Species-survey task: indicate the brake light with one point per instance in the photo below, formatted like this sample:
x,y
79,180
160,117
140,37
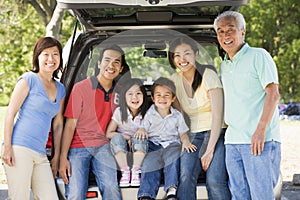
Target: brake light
x,y
91,194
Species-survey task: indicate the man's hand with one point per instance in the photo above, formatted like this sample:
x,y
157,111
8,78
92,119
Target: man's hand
x,y
64,170
257,142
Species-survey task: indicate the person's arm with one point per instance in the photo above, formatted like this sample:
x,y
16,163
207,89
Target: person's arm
x,y
18,97
217,109
111,129
57,128
177,106
258,138
64,164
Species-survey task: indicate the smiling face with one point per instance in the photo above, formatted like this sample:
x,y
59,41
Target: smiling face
x,y
49,60
230,36
111,64
163,97
134,98
184,57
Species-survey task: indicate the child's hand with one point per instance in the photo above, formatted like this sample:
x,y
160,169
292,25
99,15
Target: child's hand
x,y
126,137
189,147
141,134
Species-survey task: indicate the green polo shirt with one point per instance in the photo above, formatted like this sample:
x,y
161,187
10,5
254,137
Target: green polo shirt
x,y
244,80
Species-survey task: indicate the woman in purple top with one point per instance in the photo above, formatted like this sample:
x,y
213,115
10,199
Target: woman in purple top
x,y
37,99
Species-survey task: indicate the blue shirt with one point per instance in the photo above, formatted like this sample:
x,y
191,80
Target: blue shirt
x,y
244,81
166,130
33,122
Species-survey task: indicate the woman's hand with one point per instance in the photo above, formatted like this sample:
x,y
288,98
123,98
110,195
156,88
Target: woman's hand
x,y
8,155
206,159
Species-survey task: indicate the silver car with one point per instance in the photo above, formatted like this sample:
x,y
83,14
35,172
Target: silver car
x,y
144,29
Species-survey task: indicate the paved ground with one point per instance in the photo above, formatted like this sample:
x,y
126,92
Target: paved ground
x,y
289,191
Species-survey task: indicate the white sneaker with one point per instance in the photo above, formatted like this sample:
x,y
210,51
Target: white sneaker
x,y
125,178
135,176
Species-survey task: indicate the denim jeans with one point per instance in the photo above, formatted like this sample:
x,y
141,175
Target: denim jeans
x,y
253,177
119,143
159,161
103,165
216,175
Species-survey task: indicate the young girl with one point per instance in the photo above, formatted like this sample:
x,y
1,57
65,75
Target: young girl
x,y
125,131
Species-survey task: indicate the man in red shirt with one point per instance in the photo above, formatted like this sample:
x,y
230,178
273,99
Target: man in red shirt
x,y
84,143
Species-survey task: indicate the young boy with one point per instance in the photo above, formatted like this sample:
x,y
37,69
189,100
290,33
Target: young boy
x,y
167,137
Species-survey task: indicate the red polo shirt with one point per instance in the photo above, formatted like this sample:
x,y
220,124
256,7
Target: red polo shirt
x,y
92,106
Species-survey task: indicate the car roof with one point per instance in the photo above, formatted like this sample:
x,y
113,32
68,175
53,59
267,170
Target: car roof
x,y
96,15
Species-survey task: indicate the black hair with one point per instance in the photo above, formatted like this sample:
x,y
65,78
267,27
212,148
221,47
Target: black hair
x,y
162,81
42,44
123,60
185,40
123,104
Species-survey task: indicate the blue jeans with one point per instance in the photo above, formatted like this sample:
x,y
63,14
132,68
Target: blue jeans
x,y
253,177
216,175
103,165
157,161
118,143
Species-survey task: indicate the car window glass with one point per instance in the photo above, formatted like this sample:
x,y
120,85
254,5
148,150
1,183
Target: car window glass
x,y
143,64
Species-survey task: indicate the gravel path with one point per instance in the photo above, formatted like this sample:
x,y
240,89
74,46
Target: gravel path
x,y
290,148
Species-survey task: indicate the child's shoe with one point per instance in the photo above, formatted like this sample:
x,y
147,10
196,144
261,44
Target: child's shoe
x,y
171,194
135,176
125,177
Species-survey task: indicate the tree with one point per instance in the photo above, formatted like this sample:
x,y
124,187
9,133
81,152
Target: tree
x,y
50,14
275,26
271,24
18,31
22,23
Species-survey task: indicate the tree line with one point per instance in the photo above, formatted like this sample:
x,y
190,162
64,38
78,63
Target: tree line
x,y
271,24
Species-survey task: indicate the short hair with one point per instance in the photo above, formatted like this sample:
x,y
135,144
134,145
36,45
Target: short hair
x,y
162,81
238,17
42,44
114,47
122,102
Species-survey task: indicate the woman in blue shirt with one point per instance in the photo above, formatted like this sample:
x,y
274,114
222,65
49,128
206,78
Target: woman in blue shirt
x,y
37,99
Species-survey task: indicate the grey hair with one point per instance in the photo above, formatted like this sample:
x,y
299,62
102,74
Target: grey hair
x,y
238,17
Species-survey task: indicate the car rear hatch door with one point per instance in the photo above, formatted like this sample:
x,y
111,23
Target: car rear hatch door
x,y
114,15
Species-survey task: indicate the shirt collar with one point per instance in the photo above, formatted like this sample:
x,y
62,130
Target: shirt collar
x,y
96,84
154,111
238,54
130,115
